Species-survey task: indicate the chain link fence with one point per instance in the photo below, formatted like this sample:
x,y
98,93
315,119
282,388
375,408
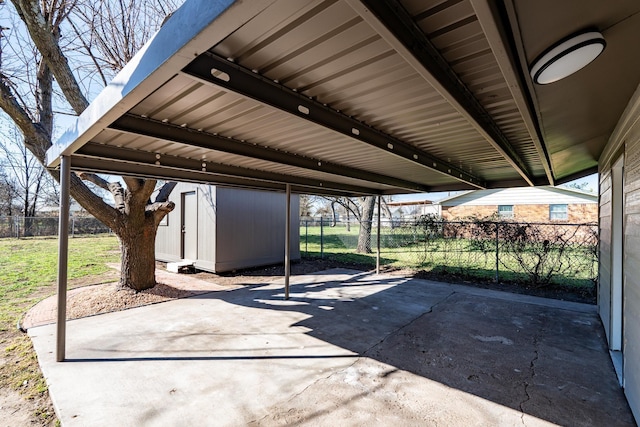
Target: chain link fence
x,y
20,227
536,253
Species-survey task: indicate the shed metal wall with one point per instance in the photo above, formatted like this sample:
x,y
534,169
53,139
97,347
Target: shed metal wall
x,y
236,228
251,228
519,196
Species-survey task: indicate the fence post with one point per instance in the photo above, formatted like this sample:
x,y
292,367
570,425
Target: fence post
x,y
378,238
497,278
73,226
321,238
306,237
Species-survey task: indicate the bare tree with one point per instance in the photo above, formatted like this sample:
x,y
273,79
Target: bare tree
x,y
306,205
27,177
8,195
362,210
27,94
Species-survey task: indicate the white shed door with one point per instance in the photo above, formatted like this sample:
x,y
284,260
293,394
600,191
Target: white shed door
x,y
189,226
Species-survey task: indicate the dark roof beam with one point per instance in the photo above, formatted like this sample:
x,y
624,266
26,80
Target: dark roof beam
x,y
396,26
221,72
90,164
488,17
170,132
132,160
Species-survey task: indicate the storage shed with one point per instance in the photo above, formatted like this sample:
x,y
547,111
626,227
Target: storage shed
x,y
221,229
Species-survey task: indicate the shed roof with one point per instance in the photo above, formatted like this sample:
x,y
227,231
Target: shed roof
x,y
361,97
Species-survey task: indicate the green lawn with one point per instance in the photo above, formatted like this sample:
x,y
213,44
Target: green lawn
x,y
28,266
28,273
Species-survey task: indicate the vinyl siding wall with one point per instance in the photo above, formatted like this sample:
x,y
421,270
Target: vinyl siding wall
x,y
604,272
631,267
625,141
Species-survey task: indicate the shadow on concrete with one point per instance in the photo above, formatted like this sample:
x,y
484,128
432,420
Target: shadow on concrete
x,y
347,348
521,352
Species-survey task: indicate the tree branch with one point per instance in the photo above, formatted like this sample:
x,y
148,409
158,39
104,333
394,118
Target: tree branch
x,y
148,187
87,48
90,201
159,210
165,191
133,184
46,42
36,137
95,179
119,195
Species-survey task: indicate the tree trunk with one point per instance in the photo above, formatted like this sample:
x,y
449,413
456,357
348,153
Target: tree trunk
x,y
366,220
138,263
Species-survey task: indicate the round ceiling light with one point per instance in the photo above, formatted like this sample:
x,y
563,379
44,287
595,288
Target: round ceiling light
x,y
567,56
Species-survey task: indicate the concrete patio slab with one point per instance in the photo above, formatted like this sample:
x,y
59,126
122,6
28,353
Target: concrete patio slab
x,y
348,348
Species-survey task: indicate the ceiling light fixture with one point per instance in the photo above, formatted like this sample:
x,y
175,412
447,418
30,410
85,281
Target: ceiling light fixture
x,y
567,56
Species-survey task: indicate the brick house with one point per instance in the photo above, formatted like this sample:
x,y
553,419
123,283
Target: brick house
x,y
529,204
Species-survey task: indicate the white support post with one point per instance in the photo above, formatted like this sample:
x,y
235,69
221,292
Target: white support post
x,y
287,244
63,250
378,239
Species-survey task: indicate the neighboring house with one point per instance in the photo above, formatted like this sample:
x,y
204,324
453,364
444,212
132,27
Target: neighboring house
x,y
221,229
530,204
52,210
413,209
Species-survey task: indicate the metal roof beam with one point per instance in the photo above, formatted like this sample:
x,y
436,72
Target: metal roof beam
x,y
131,161
221,72
396,26
167,131
487,14
90,164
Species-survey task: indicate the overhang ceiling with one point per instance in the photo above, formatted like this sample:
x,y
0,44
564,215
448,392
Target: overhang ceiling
x,y
361,97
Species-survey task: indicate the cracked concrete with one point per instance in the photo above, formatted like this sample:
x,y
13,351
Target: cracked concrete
x,y
347,349
532,372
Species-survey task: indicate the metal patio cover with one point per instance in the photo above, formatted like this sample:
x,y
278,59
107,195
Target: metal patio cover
x,y
361,97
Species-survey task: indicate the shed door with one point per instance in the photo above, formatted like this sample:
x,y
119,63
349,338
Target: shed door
x,y
189,226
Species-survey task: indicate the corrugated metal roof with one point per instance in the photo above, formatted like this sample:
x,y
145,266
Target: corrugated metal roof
x,y
335,95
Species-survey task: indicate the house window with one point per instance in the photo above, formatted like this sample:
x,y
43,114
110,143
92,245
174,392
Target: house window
x,y
505,211
558,212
